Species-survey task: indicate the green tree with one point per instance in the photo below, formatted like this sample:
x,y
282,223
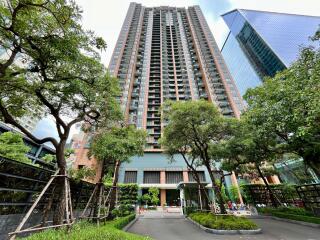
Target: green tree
x,y
80,174
48,158
52,64
288,105
13,147
250,151
113,146
154,194
146,198
193,128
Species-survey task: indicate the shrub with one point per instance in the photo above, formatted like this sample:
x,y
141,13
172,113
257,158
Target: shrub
x,y
288,210
223,222
128,193
297,217
120,223
293,213
123,210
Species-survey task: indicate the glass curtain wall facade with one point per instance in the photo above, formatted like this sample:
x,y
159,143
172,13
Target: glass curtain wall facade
x,y
167,53
262,43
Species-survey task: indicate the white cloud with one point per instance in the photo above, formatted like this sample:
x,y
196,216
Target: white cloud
x,y
219,30
106,17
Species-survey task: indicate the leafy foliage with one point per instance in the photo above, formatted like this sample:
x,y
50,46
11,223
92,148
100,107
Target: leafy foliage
x,y
287,107
234,193
52,65
82,173
48,158
194,129
223,222
127,198
293,213
118,144
13,147
152,196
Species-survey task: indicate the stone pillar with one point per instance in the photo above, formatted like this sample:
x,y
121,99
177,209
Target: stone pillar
x,y
162,177
182,200
162,191
235,183
275,179
185,176
163,197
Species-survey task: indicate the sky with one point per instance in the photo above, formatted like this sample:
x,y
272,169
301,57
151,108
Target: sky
x,y
105,18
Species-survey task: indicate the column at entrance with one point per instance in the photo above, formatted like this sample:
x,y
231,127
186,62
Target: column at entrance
x,y
163,199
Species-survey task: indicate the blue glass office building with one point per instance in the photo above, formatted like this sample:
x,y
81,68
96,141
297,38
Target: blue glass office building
x,y
261,43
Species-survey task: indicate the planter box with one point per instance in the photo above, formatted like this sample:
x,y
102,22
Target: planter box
x,y
225,232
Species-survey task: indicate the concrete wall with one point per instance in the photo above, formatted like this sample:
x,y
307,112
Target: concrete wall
x,y
157,162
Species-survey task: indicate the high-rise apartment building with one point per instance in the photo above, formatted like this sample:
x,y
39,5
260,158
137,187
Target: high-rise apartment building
x,y
262,43
167,53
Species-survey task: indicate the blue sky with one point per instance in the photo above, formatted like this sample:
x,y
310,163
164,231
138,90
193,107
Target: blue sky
x,y
105,17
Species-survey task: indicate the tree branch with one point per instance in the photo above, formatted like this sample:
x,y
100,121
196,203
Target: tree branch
x,y
9,119
54,111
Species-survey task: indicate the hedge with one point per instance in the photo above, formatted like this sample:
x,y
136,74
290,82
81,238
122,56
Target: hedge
x,y
287,210
87,231
297,217
298,214
223,222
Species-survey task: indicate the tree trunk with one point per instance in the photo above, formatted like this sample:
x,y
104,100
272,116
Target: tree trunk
x,y
216,189
113,194
59,212
196,177
99,192
275,201
202,190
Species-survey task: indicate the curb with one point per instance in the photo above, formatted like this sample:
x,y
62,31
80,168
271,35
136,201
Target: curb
x,y
314,225
225,232
126,228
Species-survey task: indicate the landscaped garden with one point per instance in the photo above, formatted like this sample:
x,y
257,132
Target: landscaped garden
x,y
83,230
223,222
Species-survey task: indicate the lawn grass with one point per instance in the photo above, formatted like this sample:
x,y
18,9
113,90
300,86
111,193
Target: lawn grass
x,y
223,222
86,231
292,213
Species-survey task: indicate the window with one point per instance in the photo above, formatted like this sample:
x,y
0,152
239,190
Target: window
x,y
151,177
174,177
200,174
130,177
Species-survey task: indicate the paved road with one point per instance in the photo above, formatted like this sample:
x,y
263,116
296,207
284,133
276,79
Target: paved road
x,y
171,228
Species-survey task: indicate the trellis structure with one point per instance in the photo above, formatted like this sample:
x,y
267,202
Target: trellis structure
x,y
310,195
95,211
259,194
20,183
68,209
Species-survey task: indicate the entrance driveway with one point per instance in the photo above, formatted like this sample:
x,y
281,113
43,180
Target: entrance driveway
x,y
179,228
